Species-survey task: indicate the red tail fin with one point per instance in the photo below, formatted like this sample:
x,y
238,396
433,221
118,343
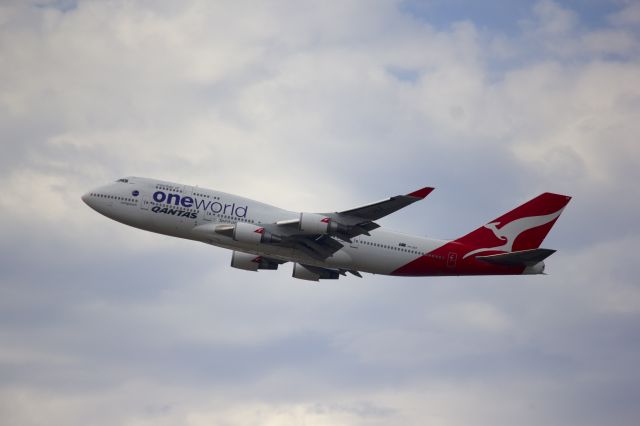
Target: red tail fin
x,y
523,228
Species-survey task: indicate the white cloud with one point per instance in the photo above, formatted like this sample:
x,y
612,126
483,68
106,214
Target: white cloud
x,y
553,18
314,107
611,42
628,15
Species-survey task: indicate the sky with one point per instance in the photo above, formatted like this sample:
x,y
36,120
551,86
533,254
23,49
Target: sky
x,y
318,106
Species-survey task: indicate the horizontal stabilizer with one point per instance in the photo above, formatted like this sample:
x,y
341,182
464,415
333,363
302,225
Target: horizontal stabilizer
x,y
518,258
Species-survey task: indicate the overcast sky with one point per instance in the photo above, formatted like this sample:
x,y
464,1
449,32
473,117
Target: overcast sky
x,y
318,106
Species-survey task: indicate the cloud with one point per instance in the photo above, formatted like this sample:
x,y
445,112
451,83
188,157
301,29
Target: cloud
x,y
314,107
553,18
628,15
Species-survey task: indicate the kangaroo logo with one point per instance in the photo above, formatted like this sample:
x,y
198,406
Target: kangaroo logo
x,y
512,230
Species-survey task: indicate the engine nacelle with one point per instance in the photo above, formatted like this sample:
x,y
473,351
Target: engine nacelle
x,y
250,262
247,233
313,223
313,273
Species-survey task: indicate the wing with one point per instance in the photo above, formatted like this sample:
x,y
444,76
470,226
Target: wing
x,y
327,230
361,220
380,209
352,222
317,246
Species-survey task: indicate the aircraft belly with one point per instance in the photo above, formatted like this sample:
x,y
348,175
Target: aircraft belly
x,y
340,259
377,262
281,253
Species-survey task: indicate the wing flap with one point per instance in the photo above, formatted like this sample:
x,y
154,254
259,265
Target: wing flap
x,y
319,247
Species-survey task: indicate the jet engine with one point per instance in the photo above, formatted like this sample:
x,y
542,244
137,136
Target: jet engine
x,y
313,223
250,262
247,233
313,273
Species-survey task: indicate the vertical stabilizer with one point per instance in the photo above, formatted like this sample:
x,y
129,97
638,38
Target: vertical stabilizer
x,y
523,228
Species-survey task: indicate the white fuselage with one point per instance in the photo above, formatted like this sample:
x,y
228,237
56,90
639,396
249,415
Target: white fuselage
x,y
192,212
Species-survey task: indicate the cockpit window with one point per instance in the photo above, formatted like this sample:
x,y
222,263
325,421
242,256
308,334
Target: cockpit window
x,y
123,180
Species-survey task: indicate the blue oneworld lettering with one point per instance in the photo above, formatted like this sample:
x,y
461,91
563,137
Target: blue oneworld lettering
x,y
201,205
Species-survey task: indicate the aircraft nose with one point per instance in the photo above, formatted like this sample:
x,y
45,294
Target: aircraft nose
x,y
86,198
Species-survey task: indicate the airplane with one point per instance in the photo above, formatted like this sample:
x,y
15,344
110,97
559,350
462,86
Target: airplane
x,y
330,245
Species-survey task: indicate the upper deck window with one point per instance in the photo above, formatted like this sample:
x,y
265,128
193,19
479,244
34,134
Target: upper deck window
x,y
123,180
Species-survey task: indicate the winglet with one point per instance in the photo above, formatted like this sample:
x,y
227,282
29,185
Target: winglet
x,y
421,193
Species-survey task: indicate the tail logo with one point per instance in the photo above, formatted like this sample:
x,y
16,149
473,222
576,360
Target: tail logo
x,y
512,230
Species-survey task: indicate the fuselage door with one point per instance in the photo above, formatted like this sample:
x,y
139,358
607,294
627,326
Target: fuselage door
x,y
190,191
145,201
452,258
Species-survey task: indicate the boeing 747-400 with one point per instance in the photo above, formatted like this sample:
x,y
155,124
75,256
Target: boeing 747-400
x,y
328,245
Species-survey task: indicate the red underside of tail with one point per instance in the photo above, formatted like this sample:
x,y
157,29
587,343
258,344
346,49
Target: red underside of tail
x,y
449,260
523,228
